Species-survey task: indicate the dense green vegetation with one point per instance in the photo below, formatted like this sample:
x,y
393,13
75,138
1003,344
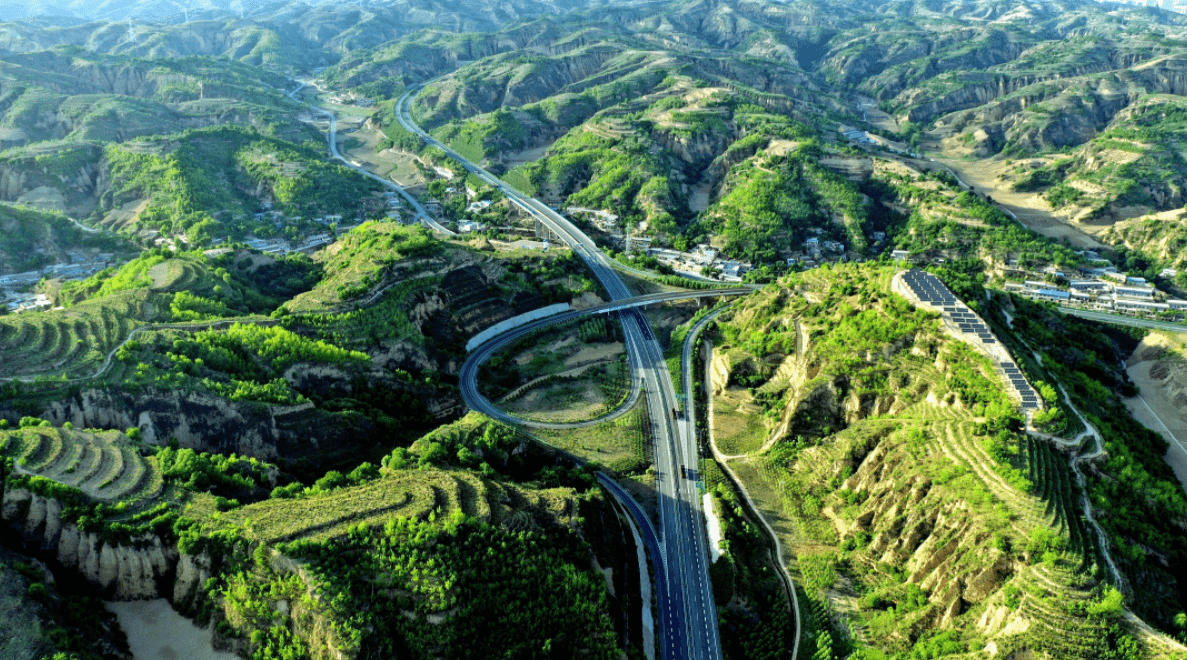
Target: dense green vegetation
x,y
920,521
197,187
954,224
406,559
772,202
236,283
32,239
1085,358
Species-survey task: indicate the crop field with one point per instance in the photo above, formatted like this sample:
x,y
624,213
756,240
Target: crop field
x,y
105,464
72,342
386,319
1056,486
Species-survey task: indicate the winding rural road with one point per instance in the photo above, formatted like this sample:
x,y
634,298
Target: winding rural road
x,y
421,214
688,614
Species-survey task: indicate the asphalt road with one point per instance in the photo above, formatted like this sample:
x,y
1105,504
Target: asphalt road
x,y
468,375
688,616
421,214
686,370
1124,320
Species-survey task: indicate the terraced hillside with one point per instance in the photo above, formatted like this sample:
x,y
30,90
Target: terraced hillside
x,y
159,287
74,342
894,468
104,465
410,300
438,541
1125,467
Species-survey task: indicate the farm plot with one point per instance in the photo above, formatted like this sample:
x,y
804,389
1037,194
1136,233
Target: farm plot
x,y
72,342
413,494
105,465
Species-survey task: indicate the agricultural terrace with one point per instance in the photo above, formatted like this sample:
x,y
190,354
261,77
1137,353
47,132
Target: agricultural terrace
x,y
104,465
196,288
438,293
239,362
108,482
366,257
70,343
446,549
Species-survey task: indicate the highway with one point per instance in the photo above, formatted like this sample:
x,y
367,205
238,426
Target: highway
x,y
421,214
570,234
688,615
468,375
1119,319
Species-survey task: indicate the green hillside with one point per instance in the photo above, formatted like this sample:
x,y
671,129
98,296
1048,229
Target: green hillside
x,y
894,465
208,182
32,239
446,551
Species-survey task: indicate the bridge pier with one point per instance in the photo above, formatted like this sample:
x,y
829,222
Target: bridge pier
x,y
544,232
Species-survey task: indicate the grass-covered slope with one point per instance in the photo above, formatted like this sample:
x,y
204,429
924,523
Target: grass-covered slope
x,y
72,95
922,521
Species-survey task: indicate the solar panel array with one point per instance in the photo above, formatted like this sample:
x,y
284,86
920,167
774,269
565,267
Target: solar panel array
x,y
929,289
1018,382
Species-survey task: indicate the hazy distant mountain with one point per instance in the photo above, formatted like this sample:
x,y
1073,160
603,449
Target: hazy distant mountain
x,y
177,11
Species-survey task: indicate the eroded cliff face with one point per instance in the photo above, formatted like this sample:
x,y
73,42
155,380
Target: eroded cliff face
x,y
75,180
143,568
205,422
146,568
940,545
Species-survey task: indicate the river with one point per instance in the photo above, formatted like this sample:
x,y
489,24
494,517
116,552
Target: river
x,y
156,632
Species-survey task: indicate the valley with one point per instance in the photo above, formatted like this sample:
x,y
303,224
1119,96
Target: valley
x,y
701,329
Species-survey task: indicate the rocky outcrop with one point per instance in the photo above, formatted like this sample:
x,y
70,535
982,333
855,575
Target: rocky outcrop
x,y
196,419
